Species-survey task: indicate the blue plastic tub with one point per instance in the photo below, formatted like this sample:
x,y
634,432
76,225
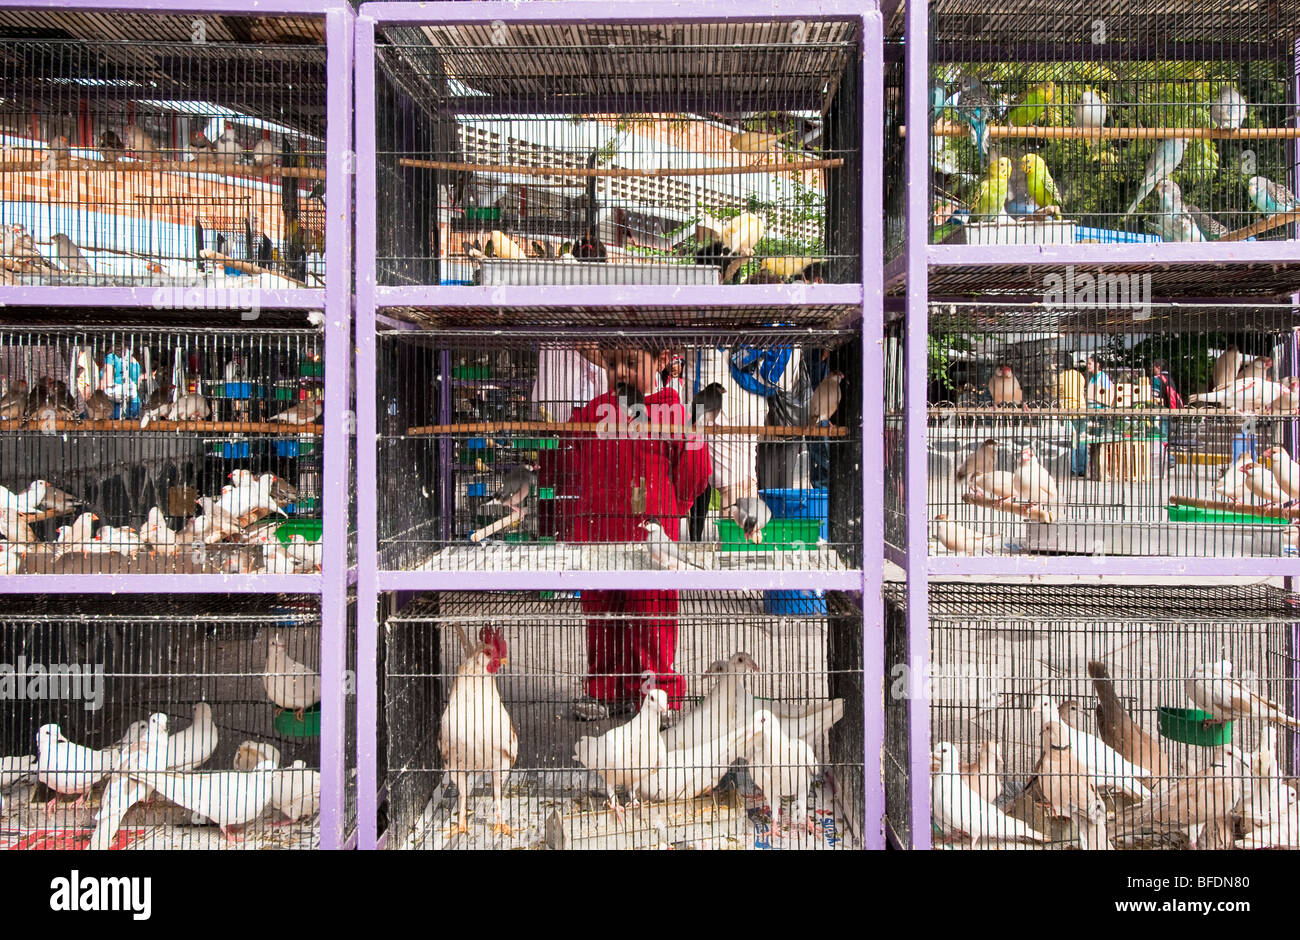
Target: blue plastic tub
x,y
239,389
799,504
294,448
797,603
476,443
478,489
1107,236
233,450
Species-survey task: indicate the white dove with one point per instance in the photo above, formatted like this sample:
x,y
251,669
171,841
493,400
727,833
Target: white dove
x,y
1104,764
1032,482
289,683
690,771
144,751
625,755
1211,690
69,768
958,808
663,550
192,747
727,706
781,766
295,791
229,798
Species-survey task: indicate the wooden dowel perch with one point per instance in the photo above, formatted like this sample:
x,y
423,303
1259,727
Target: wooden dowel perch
x,y
1032,513
954,129
585,172
1290,514
246,266
504,523
584,426
174,166
1263,225
207,427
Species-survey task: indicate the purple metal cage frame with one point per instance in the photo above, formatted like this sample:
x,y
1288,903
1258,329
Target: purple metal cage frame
x,y
911,270
372,299
334,300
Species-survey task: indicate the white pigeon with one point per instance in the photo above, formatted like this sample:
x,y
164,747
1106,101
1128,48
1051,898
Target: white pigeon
x,y
781,766
1103,763
663,550
1211,689
229,797
295,791
192,747
289,683
727,706
145,752
1032,483
69,768
625,755
13,769
958,808
691,771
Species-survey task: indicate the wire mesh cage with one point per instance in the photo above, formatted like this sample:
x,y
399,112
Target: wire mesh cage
x,y
166,151
236,762
637,449
894,445
1113,123
131,448
1108,716
1119,431
677,153
544,712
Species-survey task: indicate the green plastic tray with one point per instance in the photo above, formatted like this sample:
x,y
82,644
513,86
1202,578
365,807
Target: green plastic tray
x,y
310,529
537,443
1218,516
546,492
289,726
311,367
778,535
1188,726
471,372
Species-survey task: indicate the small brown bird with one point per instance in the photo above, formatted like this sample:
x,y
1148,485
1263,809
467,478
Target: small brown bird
x,y
1190,805
1226,367
1066,785
825,398
111,147
981,774
983,459
302,413
99,407
1121,732
1004,388
13,405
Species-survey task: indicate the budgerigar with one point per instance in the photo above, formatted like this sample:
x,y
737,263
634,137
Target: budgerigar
x,y
991,197
1090,110
1160,165
977,109
1041,185
1172,196
1030,107
1173,222
1271,198
1229,110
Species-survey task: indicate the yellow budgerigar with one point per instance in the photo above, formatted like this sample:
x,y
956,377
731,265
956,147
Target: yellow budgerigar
x,y
1041,185
991,198
1031,106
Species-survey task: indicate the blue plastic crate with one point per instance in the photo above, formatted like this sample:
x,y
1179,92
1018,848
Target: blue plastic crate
x,y
235,450
294,448
476,443
239,389
478,489
799,504
1107,236
806,603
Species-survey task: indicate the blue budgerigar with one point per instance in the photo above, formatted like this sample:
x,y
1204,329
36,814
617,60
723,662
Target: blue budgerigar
x,y
1160,165
978,109
1171,197
1271,198
1173,222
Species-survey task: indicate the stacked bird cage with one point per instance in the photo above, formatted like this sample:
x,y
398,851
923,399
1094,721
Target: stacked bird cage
x,y
169,151
1086,430
160,449
516,720
694,153
580,449
1133,127
1107,716
172,726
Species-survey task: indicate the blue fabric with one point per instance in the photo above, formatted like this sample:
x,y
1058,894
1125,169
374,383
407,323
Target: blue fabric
x,y
757,370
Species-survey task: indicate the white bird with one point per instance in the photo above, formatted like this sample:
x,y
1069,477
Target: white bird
x,y
1264,485
1229,110
13,769
27,502
306,555
227,145
192,747
302,413
1090,110
143,750
70,255
663,550
15,528
69,768
1250,395
251,753
229,798
1234,484
76,537
263,153
956,537
120,539
781,766
1032,482
1000,484
692,771
1108,769
475,735
625,755
1285,470
295,791
751,514
156,533
276,559
250,496
289,683
727,706
1211,690
11,558
1267,797
958,808
825,398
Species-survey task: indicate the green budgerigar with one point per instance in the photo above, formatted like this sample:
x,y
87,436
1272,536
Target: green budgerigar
x,y
991,197
1029,107
1041,185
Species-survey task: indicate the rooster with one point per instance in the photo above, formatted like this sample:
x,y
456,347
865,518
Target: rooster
x,y
475,735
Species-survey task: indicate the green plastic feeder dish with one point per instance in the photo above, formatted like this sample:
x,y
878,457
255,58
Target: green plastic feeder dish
x,y
546,492
783,535
537,443
546,540
471,372
483,213
311,367
1218,517
1189,725
286,394
289,726
519,537
310,529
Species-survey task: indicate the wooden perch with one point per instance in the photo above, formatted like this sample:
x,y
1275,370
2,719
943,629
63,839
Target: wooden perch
x,y
1032,513
954,129
585,172
206,165
1248,509
206,427
510,427
503,523
246,266
32,518
1277,220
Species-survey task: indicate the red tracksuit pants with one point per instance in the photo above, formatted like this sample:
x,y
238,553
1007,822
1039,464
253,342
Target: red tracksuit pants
x,y
621,648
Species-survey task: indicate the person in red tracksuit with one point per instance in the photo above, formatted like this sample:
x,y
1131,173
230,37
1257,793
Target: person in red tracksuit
x,y
623,477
